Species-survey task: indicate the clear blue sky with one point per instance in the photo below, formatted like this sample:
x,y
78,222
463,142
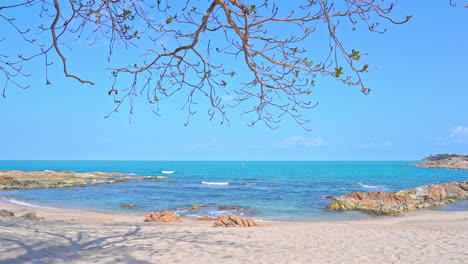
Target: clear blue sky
x,y
418,106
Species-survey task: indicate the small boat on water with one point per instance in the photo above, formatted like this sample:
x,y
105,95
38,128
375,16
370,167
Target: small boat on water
x,y
167,172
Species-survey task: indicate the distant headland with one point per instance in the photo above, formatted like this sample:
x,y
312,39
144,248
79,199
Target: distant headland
x,y
442,156
446,161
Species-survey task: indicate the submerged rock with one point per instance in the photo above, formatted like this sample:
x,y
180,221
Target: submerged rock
x,y
454,163
230,208
33,217
4,212
384,203
236,221
250,212
129,206
97,182
200,206
163,216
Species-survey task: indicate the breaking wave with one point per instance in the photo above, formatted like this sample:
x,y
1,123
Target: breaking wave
x,y
215,183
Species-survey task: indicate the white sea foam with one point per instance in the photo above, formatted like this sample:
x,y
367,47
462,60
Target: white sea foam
x,y
13,201
369,186
158,177
167,172
215,183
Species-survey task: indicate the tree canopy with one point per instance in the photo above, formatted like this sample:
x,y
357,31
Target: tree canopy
x,y
199,47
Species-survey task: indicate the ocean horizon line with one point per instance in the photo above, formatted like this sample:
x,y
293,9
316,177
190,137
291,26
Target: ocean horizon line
x,y
210,160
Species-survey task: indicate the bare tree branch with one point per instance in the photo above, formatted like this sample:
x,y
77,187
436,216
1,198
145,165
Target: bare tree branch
x,y
252,55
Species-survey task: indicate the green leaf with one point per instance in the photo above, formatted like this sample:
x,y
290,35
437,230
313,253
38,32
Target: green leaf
x,y
355,55
338,71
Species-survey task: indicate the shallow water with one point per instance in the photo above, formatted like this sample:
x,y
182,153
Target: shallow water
x,y
272,190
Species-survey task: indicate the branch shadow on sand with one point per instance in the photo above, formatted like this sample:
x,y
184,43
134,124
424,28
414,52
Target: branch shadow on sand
x,y
46,247
31,242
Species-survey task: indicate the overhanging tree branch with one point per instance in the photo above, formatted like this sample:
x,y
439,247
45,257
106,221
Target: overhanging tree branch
x,y
234,53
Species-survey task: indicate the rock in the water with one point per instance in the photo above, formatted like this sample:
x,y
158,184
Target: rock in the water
x,y
97,182
34,217
381,203
250,212
206,218
230,208
236,221
163,216
384,203
13,179
4,212
200,206
455,163
129,206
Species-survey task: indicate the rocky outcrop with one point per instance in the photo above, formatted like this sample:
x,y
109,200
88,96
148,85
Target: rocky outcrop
x,y
381,203
384,203
163,216
236,221
48,174
33,217
454,163
4,212
12,179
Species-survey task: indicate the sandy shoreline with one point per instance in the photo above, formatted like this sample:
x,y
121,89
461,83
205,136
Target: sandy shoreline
x,y
92,237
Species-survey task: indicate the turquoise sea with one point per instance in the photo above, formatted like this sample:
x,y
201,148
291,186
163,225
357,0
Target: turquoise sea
x,y
275,190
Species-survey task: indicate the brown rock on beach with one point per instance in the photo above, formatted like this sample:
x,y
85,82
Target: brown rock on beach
x,y
4,212
34,217
236,221
163,216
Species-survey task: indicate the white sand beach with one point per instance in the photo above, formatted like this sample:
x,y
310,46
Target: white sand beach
x,y
91,237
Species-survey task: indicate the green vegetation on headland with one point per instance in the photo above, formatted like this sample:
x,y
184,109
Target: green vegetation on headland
x,y
442,156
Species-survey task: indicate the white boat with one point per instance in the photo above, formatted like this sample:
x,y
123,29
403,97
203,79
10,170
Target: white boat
x,y
167,172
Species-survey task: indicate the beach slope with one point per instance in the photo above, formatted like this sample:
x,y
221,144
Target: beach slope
x,y
89,237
